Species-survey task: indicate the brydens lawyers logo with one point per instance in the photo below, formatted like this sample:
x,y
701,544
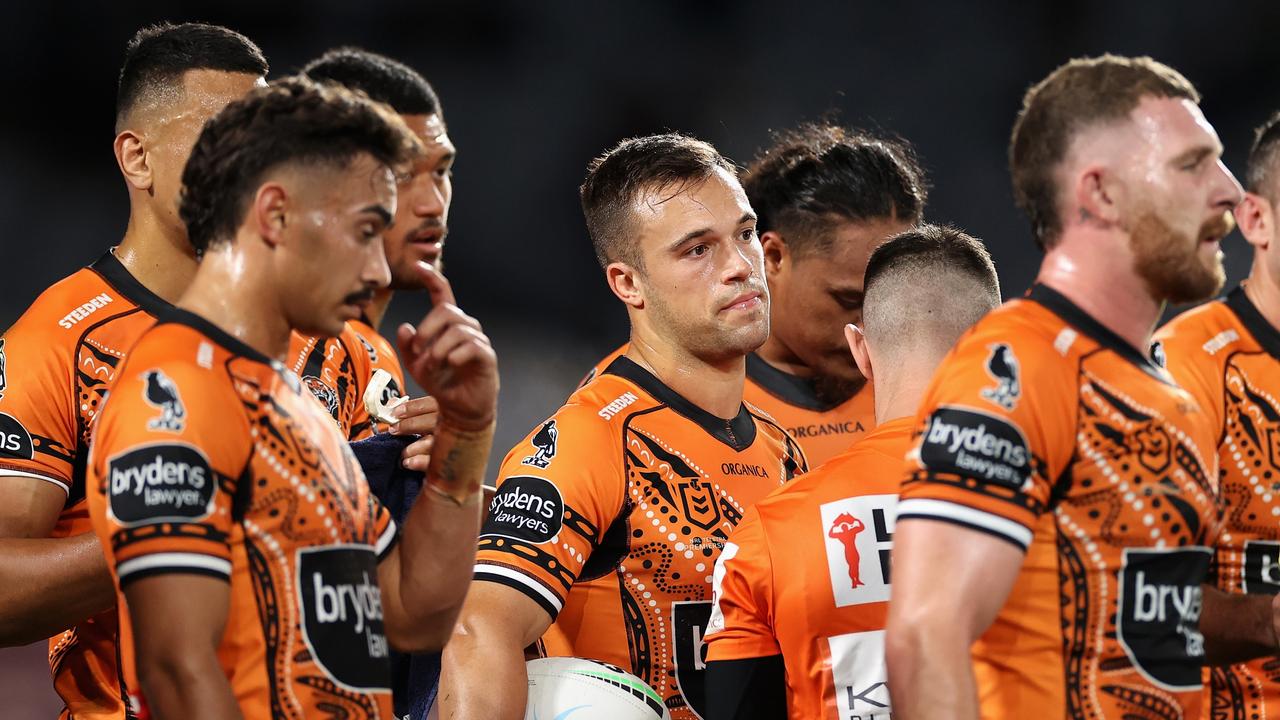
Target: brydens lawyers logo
x,y
545,441
160,482
1159,621
858,536
525,508
161,392
1003,366
977,445
15,441
342,615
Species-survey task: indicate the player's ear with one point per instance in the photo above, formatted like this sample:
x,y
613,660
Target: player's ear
x,y
1097,195
268,214
858,347
1256,220
627,283
131,156
777,256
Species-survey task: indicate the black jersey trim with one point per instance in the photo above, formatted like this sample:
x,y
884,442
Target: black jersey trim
x,y
1058,304
109,268
738,433
178,316
1261,330
791,389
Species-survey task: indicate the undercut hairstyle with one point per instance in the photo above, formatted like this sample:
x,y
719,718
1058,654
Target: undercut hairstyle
x,y
1264,155
666,165
1083,93
159,55
924,288
294,121
815,177
381,78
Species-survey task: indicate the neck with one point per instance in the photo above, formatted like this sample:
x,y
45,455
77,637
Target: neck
x,y
900,387
1105,286
714,387
1263,292
164,264
377,308
777,354
229,291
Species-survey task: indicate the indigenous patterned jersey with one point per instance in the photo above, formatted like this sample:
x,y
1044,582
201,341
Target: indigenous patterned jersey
x,y
806,575
337,370
1227,355
56,364
1045,429
211,459
611,515
823,429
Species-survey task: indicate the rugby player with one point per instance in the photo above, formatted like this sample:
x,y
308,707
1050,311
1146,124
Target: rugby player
x,y
259,575
609,516
1226,353
825,196
59,358
802,587
1061,499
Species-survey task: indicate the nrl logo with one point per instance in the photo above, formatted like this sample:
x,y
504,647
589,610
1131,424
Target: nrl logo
x,y
161,392
1003,367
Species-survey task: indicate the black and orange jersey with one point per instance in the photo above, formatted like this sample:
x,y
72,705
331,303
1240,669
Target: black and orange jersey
x,y
1227,355
209,458
56,364
806,575
823,429
1045,429
611,514
337,371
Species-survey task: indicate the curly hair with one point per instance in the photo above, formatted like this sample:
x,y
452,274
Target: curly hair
x,y
294,120
378,76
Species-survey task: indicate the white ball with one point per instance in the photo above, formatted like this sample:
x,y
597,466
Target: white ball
x,y
568,688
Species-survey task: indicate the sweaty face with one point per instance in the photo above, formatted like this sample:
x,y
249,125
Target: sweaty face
x,y
1182,196
703,280
170,124
820,292
331,259
422,218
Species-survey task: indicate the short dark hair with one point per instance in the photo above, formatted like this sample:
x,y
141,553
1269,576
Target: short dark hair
x,y
1259,175
1079,94
817,175
938,246
159,55
294,120
378,76
670,162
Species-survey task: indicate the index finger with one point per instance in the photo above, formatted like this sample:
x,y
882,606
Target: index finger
x,y
435,283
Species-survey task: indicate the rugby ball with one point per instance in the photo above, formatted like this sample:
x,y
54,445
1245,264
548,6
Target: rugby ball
x,y
568,688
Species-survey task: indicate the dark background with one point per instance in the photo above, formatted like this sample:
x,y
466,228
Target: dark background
x,y
533,90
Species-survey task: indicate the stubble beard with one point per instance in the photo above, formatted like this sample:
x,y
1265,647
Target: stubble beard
x,y
1169,262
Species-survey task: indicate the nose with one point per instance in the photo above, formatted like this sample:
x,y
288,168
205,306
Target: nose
x,y
1229,193
739,263
376,272
430,198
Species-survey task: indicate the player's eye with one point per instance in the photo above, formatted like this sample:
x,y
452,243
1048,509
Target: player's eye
x,y
698,250
368,231
445,172
748,234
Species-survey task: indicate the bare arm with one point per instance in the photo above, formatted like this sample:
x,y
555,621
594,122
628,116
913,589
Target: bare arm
x,y
1236,627
46,584
178,621
929,632
483,675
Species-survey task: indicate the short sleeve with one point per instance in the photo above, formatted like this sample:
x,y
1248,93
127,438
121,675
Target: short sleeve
x,y
39,421
557,514
741,623
995,432
168,455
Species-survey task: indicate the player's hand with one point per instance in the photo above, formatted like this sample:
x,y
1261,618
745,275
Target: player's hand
x,y
418,416
449,355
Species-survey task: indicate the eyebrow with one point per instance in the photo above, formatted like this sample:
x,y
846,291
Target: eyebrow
x,y
746,217
1197,153
380,212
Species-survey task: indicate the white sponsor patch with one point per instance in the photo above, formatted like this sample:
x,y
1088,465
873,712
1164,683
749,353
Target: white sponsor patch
x,y
859,674
858,535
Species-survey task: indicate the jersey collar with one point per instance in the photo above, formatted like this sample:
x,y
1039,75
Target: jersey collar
x,y
108,267
1261,330
791,389
1072,314
737,433
232,344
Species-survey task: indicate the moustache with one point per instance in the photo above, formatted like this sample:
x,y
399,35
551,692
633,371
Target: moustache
x,y
1218,227
428,227
359,298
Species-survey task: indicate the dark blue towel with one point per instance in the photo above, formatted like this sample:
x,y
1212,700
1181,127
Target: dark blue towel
x,y
414,677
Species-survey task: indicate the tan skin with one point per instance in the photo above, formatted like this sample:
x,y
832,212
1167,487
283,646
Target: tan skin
x,y
52,584
259,288
699,305
1256,218
1167,157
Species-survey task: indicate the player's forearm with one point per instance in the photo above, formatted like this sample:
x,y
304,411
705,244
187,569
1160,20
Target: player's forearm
x,y
930,672
49,584
1237,627
187,685
482,679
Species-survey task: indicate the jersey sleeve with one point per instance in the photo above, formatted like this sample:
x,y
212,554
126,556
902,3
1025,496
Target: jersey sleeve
x,y
39,420
741,624
1194,369
994,433
168,455
560,494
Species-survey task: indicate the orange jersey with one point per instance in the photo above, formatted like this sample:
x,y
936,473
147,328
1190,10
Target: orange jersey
x,y
212,459
337,370
823,429
1047,430
56,364
806,575
611,515
1228,356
